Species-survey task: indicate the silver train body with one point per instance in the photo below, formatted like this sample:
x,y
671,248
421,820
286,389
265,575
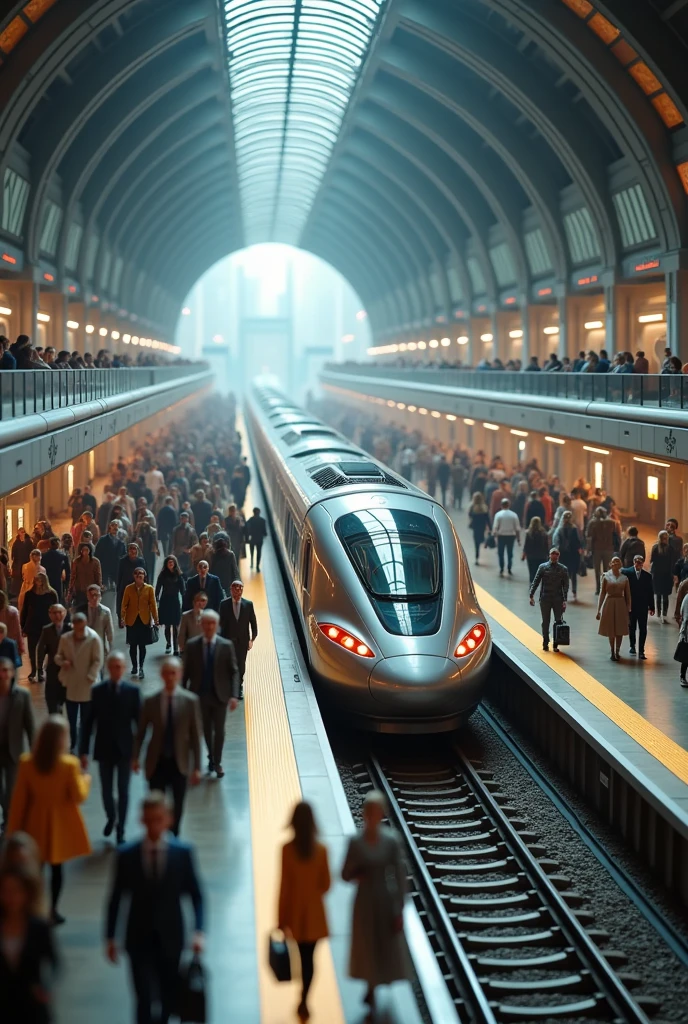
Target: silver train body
x,y
354,538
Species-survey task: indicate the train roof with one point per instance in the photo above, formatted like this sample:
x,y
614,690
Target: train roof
x,y
321,461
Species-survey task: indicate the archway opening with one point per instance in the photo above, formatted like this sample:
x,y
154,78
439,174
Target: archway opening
x,y
273,309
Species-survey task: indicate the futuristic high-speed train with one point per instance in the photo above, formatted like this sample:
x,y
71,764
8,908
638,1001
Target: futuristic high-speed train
x,y
394,633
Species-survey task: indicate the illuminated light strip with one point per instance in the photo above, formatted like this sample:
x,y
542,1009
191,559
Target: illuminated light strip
x,y
436,414
469,422
593,325
651,318
519,433
597,451
515,334
551,330
486,337
73,325
8,259
462,340
5,311
451,417
490,426
43,318
554,440
651,462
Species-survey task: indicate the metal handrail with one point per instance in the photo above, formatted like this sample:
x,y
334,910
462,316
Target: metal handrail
x,y
663,391
26,392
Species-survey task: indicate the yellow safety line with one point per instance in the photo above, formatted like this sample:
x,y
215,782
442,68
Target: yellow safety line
x,y
652,739
274,788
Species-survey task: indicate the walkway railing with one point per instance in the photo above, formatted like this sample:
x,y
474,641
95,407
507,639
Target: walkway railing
x,y
24,392
657,390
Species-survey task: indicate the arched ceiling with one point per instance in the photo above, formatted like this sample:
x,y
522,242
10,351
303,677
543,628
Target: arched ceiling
x,y
439,153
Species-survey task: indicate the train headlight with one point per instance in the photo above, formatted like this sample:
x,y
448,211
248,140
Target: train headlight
x,y
345,639
472,640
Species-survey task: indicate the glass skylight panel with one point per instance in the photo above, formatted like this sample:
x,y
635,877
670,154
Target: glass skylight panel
x,y
293,65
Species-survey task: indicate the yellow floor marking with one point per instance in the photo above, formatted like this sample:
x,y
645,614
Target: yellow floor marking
x,y
666,750
274,788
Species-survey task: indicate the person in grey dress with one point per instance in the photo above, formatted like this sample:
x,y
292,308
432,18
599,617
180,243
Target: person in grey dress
x,y
374,861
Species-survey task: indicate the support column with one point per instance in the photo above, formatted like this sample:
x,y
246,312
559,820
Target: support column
x,y
28,307
527,328
677,313
563,338
611,320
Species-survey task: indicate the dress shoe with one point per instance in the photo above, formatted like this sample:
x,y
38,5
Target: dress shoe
x,y
57,919
631,650
220,772
643,656
120,837
109,825
141,673
545,647
168,649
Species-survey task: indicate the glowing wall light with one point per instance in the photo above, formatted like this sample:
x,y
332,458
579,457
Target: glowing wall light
x,y
593,325
598,474
651,318
515,334
43,318
486,337
653,488
73,325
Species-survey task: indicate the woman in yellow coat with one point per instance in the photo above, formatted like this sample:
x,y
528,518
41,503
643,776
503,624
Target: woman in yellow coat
x,y
45,802
139,612
305,880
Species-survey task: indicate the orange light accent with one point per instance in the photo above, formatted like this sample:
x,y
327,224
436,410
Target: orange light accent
x,y
7,258
72,288
683,175
624,52
667,110
646,265
580,7
544,291
35,9
48,277
15,31
603,28
587,280
509,301
646,79
472,640
345,639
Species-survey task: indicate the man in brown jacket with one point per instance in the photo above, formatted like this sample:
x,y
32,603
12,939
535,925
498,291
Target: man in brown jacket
x,y
601,533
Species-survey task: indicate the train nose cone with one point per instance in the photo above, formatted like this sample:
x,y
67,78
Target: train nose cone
x,y
416,684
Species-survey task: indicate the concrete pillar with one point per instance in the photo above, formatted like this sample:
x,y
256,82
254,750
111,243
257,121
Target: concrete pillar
x,y
563,337
677,312
28,292
76,313
611,320
527,328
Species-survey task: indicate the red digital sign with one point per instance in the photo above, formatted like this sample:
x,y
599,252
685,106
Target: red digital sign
x,y
48,277
509,301
646,265
592,279
545,291
7,258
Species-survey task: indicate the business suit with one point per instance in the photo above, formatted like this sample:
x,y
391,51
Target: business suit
x,y
154,938
114,712
213,675
642,603
48,643
172,745
8,649
20,980
100,621
55,562
240,631
255,531
18,723
212,586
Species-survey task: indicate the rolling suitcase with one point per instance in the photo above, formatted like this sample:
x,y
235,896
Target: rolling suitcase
x,y
562,634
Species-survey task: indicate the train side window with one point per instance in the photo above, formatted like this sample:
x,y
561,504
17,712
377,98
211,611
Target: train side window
x,y
308,549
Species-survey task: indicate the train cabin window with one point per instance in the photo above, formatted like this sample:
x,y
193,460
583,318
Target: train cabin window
x,y
307,552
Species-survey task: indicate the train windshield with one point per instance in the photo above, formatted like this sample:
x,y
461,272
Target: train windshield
x,y
397,555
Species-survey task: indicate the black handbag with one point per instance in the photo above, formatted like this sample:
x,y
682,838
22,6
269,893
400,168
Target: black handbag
x,y
283,956
490,542
191,994
562,634
681,652
154,634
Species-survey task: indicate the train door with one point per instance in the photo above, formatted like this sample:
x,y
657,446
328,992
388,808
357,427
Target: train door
x,y
650,494
306,570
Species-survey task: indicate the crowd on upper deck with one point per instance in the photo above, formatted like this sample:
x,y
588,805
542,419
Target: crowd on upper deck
x,y
23,355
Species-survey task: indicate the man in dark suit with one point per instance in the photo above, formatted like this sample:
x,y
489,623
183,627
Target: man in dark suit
x,y
125,574
110,551
114,712
16,721
173,757
155,874
238,624
56,563
211,672
642,603
8,647
255,531
204,581
48,642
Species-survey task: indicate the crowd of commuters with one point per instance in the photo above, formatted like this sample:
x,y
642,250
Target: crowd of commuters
x,y
564,533
23,355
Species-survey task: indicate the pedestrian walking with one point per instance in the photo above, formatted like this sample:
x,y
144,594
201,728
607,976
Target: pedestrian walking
x,y
478,521
255,531
631,547
16,723
191,620
238,623
305,878
166,524
535,546
169,593
86,570
110,550
48,646
642,603
28,961
147,537
614,606
173,755
125,572
114,717
570,543
9,616
8,648
552,579
662,560
204,580
601,533
35,614
99,617
183,539
374,862
507,529
223,562
154,874
45,803
234,527
212,673
28,575
139,613
22,547
58,568
80,658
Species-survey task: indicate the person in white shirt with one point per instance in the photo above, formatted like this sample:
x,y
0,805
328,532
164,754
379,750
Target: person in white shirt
x,y
579,509
506,528
154,479
99,617
80,657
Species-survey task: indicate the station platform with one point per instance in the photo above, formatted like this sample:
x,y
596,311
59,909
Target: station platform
x,y
276,752
633,712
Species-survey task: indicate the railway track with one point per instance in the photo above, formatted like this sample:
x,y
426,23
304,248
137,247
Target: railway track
x,y
505,923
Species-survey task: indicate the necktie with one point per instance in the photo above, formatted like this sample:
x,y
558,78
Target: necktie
x,y
237,609
202,582
154,864
169,730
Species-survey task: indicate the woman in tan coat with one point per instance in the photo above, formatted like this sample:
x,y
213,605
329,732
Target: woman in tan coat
x,y
614,606
29,570
86,570
305,880
45,803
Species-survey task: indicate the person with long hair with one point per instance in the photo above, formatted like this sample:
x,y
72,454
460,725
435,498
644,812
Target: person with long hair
x,y
139,613
86,571
10,616
304,882
35,614
478,521
662,559
27,955
169,593
45,803
614,606
29,571
22,547
535,546
67,545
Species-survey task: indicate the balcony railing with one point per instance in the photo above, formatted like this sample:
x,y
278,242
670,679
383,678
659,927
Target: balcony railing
x,y
25,392
663,391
